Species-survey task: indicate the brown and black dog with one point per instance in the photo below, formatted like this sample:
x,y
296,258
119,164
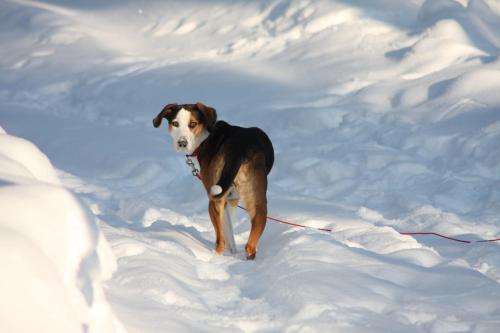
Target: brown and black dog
x,y
231,158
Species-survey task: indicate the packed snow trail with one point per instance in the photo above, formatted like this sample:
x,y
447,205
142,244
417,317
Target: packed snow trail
x,y
360,278
384,116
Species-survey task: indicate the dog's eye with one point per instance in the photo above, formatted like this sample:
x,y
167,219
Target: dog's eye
x,y
193,124
175,123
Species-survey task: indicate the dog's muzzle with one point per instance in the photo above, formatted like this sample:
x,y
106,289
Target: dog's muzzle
x,y
182,143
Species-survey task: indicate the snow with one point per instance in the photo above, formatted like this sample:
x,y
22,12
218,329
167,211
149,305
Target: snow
x,y
52,250
384,116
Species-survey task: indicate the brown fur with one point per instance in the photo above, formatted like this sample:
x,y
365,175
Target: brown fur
x,y
251,185
199,127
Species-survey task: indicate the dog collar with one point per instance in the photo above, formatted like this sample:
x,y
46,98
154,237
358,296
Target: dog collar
x,y
196,151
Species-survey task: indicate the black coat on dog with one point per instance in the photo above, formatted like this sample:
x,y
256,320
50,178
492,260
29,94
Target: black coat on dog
x,y
237,145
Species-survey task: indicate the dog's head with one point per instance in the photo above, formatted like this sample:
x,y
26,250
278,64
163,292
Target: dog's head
x,y
188,124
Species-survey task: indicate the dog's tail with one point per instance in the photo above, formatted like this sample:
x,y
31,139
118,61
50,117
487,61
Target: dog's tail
x,y
229,172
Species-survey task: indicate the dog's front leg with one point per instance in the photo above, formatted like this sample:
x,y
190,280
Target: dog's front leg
x,y
216,211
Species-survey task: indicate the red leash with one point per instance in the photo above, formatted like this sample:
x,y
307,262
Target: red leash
x,y
196,173
290,223
401,233
437,235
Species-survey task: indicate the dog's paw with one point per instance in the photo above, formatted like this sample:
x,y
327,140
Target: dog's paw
x,y
251,252
219,248
215,190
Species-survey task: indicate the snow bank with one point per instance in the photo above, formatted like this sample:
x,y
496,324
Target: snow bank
x,y
54,259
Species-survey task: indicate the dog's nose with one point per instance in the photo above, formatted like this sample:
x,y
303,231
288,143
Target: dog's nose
x,y
182,143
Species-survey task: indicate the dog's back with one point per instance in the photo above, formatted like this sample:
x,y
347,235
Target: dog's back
x,y
241,141
235,146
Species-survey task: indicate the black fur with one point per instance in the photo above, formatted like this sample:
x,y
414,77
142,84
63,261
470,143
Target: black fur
x,y
237,144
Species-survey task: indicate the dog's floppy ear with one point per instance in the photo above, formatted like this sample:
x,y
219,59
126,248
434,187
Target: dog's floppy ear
x,y
163,114
209,113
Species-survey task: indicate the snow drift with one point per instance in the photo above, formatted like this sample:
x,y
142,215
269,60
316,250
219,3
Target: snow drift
x,y
54,259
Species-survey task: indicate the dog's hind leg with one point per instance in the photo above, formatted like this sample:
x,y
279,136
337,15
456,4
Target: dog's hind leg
x,y
229,216
258,217
228,228
216,212
256,203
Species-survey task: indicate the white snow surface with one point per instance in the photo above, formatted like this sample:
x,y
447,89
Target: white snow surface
x,y
385,118
54,258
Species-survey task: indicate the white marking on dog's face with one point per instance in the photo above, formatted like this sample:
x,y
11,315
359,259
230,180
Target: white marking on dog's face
x,y
187,132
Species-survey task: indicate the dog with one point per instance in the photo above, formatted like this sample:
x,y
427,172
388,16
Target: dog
x,y
231,158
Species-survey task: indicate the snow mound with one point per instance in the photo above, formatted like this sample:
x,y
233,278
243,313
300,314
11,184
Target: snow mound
x,y
22,159
55,259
